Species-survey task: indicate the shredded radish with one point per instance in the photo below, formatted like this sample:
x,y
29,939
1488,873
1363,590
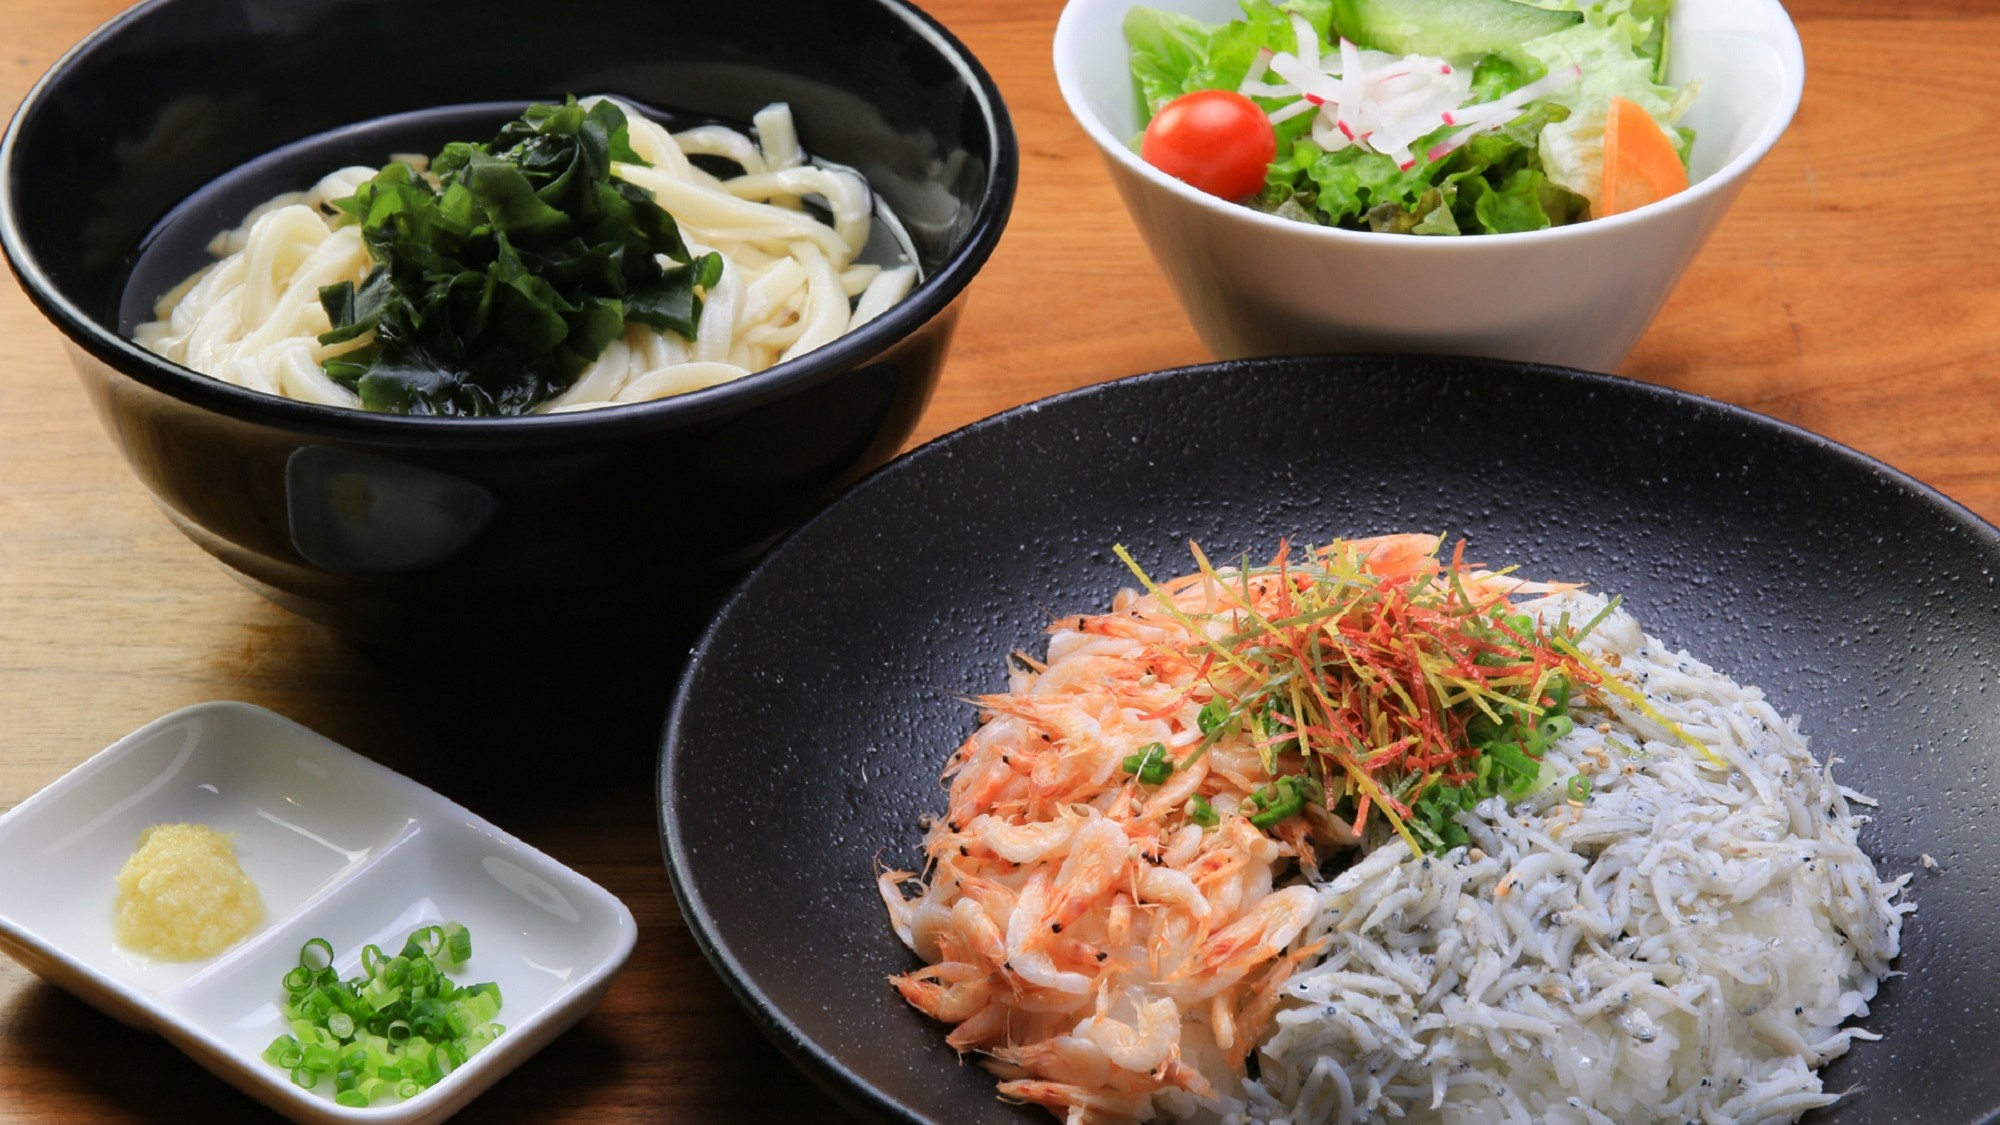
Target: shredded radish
x,y
1382,102
1492,115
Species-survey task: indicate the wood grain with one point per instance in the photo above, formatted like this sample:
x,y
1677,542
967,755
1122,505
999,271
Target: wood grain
x,y
1854,290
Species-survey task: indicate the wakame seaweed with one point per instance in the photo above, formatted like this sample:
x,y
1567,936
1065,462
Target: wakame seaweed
x,y
493,290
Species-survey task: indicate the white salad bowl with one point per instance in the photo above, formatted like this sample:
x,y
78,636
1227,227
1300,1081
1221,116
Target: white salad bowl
x,y
339,847
1577,296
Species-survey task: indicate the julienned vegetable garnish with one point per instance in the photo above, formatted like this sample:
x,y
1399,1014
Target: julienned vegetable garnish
x,y
1414,693
494,288
396,1029
1428,116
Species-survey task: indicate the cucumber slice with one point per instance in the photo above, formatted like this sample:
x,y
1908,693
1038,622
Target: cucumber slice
x,y
1449,28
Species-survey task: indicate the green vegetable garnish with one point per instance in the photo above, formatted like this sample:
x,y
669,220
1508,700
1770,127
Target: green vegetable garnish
x,y
492,291
1212,716
395,1029
1285,797
1414,694
1201,812
1150,764
1579,788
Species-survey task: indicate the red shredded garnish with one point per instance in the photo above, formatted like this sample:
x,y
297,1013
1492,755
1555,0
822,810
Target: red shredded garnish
x,y
1372,659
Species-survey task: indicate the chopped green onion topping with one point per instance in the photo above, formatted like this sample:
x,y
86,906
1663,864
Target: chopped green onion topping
x,y
1214,714
1150,763
394,1030
317,955
1283,798
457,946
1201,812
1579,788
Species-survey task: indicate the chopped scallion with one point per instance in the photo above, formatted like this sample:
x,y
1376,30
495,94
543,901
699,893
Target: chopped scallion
x,y
394,1030
1283,798
1201,812
1213,715
1150,764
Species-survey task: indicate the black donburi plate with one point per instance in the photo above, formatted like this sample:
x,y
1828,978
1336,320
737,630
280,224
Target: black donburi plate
x,y
805,742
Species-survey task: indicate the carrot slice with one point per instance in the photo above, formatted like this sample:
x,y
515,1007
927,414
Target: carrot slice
x,y
1641,165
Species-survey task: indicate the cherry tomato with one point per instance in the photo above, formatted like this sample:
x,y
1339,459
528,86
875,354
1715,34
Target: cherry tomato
x,y
1215,140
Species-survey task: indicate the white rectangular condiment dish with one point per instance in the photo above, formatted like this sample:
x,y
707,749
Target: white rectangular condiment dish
x,y
340,848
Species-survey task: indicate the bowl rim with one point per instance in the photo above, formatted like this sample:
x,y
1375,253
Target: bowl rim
x,y
1069,48
932,297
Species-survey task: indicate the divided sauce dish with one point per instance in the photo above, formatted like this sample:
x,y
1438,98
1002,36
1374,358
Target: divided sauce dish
x,y
339,848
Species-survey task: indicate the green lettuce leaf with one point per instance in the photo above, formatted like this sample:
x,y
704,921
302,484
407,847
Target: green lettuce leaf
x,y
1173,54
1355,187
1166,48
1612,64
1652,13
1234,46
1521,202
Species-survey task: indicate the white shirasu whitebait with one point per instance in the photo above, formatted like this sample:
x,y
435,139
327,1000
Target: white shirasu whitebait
x,y
1685,945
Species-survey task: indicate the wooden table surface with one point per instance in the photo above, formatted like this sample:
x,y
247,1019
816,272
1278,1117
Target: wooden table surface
x,y
1854,290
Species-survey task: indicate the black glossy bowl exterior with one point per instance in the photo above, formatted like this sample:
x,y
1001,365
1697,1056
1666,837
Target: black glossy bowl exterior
x,y
398,530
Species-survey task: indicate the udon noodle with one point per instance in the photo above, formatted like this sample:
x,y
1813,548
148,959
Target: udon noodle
x,y
790,281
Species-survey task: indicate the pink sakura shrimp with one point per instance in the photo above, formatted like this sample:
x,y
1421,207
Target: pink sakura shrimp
x,y
1101,916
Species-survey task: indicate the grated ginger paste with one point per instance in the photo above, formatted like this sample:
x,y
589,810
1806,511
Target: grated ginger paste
x,y
182,896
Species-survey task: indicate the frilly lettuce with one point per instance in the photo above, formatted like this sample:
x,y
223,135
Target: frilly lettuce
x,y
1173,54
1610,53
1652,14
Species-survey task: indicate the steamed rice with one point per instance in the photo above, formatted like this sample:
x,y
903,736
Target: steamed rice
x,y
1683,945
